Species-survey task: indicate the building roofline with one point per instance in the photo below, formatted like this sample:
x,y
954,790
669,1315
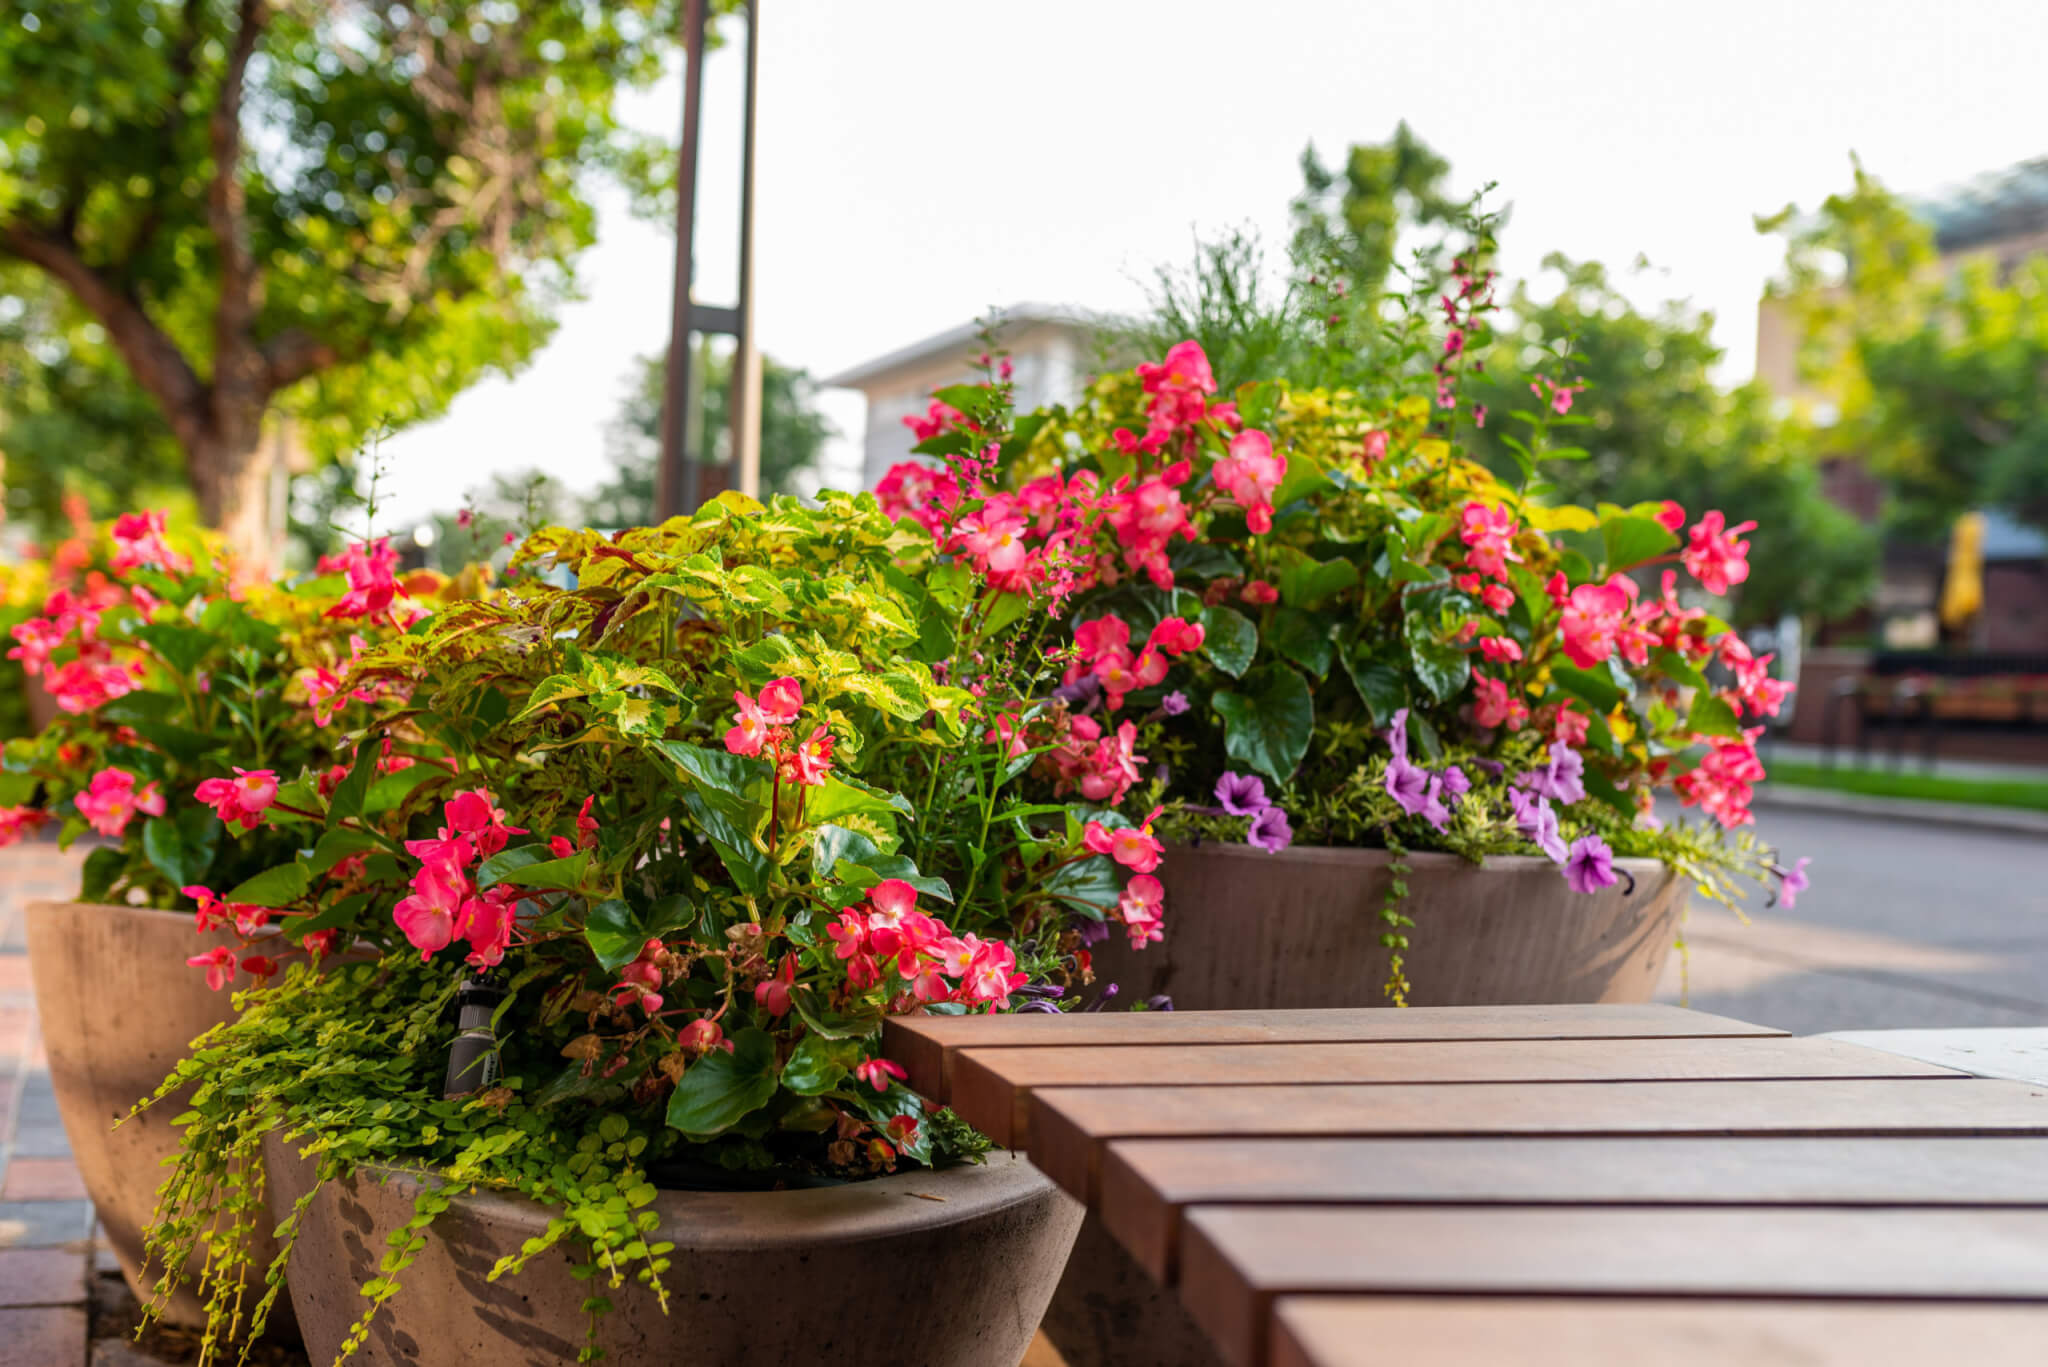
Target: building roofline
x,y
954,340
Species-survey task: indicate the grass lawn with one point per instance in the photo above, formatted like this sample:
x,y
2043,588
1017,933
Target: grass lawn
x,y
1990,792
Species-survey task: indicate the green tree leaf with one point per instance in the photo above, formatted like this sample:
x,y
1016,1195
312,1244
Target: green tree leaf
x,y
1268,725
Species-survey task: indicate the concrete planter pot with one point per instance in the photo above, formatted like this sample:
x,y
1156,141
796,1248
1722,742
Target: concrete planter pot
x,y
870,1274
1248,930
119,1007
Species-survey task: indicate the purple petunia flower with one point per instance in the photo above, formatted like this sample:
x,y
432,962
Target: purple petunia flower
x,y
1590,865
1174,703
1397,734
1242,794
1433,809
1456,785
1537,821
1408,784
1561,780
1270,831
1795,882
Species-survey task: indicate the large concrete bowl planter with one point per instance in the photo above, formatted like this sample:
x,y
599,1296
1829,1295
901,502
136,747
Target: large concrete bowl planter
x,y
1249,930
119,1007
924,1269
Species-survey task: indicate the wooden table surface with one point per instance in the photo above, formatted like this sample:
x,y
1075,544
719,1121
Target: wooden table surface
x,y
1486,1186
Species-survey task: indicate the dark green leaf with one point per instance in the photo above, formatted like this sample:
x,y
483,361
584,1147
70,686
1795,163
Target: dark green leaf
x,y
1269,723
533,866
1090,886
182,849
338,844
102,869
1302,638
617,931
1381,682
390,791
1306,582
819,1064
1597,689
179,646
1712,716
1205,560
1440,667
719,1088
347,798
1229,639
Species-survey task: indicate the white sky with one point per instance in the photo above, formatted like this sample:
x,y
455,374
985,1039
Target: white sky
x,y
922,160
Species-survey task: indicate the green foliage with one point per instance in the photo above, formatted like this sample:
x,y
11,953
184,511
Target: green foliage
x,y
1935,364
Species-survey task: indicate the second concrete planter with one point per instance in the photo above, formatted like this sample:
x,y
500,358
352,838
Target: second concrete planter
x,y
1248,930
951,1268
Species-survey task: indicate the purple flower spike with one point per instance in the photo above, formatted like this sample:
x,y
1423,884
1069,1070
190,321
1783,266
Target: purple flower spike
x,y
1242,794
1270,831
1590,865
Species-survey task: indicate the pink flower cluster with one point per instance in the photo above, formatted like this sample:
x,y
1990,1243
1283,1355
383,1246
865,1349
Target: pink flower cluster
x,y
92,677
1178,390
1143,903
139,540
888,931
1102,650
1488,534
1723,783
372,571
763,726
1250,474
113,799
444,906
1103,765
241,800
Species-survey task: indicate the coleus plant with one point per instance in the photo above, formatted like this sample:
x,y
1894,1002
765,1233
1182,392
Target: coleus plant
x,y
1334,626
703,804
185,691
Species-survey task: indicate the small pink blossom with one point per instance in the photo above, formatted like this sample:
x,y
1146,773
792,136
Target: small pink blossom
x,y
113,799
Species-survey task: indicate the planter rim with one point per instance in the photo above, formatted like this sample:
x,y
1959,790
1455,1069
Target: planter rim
x,y
121,908
857,1212
1638,865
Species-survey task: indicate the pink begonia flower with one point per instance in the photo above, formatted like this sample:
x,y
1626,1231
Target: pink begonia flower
x,y
486,923
1488,534
892,899
992,977
1500,649
241,800
1715,553
703,1035
1259,593
1591,621
1670,515
17,822
1105,635
1112,767
1141,907
259,965
427,917
750,729
879,1072
1493,705
932,421
475,815
1250,474
781,700
372,571
1722,783
1564,723
810,761
1134,847
139,540
1176,636
219,963
773,993
85,684
925,495
113,800
903,1128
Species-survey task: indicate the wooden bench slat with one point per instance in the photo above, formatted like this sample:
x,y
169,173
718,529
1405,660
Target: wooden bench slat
x,y
1147,1182
1236,1259
1070,1124
923,1044
1344,1331
991,1087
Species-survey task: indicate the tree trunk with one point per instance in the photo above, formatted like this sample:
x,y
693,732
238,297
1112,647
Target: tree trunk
x,y
230,473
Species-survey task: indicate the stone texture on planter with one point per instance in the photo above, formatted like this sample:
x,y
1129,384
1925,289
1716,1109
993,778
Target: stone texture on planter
x,y
1248,930
950,1268
118,1007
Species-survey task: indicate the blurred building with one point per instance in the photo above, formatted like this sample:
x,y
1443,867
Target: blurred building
x,y
2002,216
1052,351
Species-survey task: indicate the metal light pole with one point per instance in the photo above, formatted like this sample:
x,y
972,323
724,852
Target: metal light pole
x,y
686,478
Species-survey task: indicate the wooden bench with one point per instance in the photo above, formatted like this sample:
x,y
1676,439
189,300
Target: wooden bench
x,y
1503,1185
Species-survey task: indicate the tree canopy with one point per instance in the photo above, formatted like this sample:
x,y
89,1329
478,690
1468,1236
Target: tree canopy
x,y
338,210
1939,366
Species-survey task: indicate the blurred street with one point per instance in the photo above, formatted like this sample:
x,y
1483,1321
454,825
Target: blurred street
x,y
1906,925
